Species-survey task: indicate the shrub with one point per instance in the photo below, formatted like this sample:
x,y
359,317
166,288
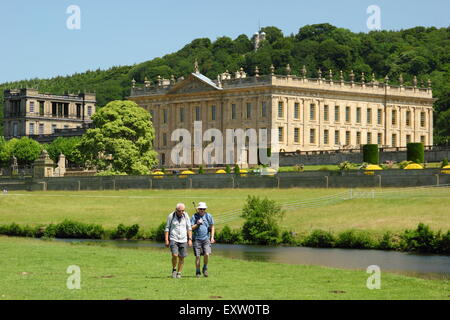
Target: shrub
x,y
319,239
386,242
228,169
75,230
227,235
16,230
415,152
443,243
11,230
421,239
444,163
201,170
237,170
124,232
371,154
261,225
50,231
353,239
157,234
287,237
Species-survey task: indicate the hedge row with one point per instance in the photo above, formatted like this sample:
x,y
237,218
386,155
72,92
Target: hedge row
x,y
77,230
421,239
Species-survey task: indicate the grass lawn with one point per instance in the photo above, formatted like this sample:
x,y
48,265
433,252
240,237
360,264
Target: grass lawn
x,y
392,210
35,269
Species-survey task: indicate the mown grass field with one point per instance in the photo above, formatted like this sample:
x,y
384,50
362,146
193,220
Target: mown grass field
x,y
393,210
36,269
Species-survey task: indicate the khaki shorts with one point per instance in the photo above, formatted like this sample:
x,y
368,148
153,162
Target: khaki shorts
x,y
178,248
201,247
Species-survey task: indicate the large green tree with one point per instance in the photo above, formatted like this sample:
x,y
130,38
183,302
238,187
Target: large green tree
x,y
121,141
26,150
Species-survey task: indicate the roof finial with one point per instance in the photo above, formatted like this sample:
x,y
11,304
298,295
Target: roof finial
x,y
146,82
304,72
352,76
272,70
196,66
288,69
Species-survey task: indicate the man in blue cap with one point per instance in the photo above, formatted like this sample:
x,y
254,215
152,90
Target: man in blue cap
x,y
203,235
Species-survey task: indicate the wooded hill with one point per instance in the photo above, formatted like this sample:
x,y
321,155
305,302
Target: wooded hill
x,y
422,52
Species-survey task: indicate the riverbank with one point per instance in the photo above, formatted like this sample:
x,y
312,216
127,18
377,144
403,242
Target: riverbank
x,y
36,269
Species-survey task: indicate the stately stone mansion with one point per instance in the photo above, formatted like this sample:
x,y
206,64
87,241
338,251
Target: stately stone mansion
x,y
44,117
308,114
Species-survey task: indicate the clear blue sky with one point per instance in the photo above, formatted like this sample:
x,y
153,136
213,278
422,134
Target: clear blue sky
x,y
37,43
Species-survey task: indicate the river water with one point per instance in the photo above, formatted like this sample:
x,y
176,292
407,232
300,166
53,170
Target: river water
x,y
418,265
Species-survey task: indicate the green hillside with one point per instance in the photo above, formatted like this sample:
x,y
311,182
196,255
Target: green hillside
x,y
422,52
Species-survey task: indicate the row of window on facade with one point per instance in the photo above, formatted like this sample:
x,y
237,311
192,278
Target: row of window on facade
x,y
35,130
213,113
296,116
58,109
348,140
337,137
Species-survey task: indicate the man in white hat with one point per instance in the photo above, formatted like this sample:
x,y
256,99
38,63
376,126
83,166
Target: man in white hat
x,y
203,235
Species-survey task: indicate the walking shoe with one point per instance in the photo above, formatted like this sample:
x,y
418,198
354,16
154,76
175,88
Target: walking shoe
x,y
198,274
178,275
205,272
174,273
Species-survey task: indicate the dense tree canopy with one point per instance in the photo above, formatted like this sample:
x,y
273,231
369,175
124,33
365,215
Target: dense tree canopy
x,y
422,52
121,141
26,150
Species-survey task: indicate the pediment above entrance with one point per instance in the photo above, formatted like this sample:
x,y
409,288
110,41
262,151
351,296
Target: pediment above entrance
x,y
195,82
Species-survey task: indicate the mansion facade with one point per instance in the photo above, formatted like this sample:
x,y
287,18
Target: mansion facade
x,y
308,114
44,117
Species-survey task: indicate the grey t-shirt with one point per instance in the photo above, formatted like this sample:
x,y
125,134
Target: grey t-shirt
x,y
178,227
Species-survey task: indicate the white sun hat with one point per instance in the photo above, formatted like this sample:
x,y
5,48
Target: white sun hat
x,y
202,205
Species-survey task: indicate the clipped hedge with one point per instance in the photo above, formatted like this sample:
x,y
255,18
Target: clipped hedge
x,y
371,154
415,152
